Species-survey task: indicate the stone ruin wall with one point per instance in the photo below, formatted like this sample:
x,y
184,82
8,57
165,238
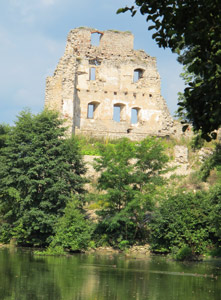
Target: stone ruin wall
x,y
71,90
180,165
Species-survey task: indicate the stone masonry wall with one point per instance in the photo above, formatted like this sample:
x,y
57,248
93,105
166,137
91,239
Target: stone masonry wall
x,y
180,164
103,105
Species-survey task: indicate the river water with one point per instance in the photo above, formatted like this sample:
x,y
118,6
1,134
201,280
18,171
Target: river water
x,y
24,276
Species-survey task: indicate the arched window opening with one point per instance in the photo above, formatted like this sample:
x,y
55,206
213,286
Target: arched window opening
x,y
134,115
118,109
138,73
91,109
95,38
92,73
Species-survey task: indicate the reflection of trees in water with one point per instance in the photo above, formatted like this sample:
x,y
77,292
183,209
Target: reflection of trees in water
x,y
27,277
6,275
118,280
89,277
150,279
68,275
23,277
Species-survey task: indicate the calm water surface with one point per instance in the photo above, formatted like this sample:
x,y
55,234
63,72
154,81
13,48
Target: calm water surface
x,y
24,276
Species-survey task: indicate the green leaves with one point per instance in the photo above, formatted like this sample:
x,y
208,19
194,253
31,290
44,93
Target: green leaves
x,y
40,171
123,10
73,232
129,174
192,30
213,161
182,220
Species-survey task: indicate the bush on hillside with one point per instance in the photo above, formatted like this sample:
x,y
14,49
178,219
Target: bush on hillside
x,y
182,221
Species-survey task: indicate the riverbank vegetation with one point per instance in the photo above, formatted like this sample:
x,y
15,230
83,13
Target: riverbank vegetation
x,y
44,201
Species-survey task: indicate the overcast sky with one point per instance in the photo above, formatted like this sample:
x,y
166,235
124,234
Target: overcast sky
x,y
33,36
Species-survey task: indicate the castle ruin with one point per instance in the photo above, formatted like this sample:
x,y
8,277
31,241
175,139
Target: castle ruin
x,y
108,89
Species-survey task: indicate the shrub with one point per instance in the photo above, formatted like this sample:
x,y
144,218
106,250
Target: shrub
x,y
215,252
213,161
184,253
72,232
123,245
214,199
181,221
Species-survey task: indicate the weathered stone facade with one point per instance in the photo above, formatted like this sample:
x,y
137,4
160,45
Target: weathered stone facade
x,y
110,89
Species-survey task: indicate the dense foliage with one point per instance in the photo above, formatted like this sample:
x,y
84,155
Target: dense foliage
x,y
43,201
73,232
181,220
213,161
130,173
214,200
191,28
4,131
187,221
40,170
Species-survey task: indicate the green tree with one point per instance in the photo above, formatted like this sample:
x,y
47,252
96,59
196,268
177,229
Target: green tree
x,y
40,170
4,131
182,220
215,215
191,28
73,231
129,175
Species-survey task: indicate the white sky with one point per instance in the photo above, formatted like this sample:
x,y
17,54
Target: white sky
x,y
33,37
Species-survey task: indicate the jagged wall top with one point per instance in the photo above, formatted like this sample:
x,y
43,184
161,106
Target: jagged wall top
x,y
97,88
79,41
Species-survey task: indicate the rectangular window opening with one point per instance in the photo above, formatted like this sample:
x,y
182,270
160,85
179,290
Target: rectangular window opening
x,y
92,73
138,73
134,116
116,116
95,38
136,76
90,111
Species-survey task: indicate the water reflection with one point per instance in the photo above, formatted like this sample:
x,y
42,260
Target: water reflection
x,y
24,276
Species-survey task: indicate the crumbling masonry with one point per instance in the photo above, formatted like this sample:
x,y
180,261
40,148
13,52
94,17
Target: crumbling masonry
x,y
108,89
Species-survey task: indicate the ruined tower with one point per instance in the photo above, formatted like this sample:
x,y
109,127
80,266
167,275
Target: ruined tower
x,y
108,89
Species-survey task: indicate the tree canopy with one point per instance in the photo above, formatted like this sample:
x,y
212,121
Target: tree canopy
x,y
191,28
129,175
40,171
